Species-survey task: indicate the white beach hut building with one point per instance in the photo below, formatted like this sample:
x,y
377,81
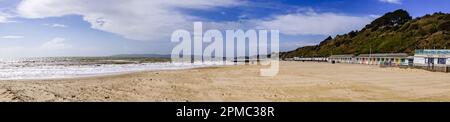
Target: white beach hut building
x,y
342,58
431,57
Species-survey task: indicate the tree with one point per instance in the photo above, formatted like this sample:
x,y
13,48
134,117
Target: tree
x,y
352,34
391,19
329,38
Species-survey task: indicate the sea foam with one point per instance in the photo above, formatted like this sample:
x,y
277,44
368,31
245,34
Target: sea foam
x,y
36,69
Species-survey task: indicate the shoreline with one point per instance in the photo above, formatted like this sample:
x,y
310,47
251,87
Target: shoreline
x,y
109,74
296,82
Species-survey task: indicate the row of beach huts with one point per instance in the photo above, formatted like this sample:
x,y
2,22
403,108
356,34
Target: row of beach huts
x,y
429,59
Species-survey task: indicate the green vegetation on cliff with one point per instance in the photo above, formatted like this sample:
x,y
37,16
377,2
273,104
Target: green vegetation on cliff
x,y
394,32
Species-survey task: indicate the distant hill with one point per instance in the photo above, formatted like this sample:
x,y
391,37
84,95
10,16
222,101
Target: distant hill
x,y
142,55
394,32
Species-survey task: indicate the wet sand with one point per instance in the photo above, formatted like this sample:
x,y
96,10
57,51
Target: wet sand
x,y
296,81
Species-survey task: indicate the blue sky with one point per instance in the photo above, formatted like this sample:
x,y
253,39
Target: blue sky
x,y
30,28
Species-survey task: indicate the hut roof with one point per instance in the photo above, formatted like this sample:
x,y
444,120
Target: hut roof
x,y
342,56
384,55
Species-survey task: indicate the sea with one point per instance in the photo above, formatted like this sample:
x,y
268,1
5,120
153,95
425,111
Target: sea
x,y
72,67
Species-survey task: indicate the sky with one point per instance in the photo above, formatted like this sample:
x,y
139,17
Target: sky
x,y
44,28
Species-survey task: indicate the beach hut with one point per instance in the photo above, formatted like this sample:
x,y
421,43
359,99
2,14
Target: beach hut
x,y
349,58
391,59
314,59
409,61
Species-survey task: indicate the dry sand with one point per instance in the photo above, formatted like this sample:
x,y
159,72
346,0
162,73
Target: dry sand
x,y
296,81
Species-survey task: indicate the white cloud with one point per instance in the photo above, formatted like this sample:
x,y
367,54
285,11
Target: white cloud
x,y
134,19
373,16
5,16
392,1
155,20
11,37
3,19
56,44
56,25
313,23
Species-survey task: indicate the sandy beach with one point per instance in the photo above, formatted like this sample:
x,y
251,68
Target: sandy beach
x,y
296,81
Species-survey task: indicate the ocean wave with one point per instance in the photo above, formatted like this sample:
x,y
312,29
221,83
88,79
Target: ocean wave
x,y
18,70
